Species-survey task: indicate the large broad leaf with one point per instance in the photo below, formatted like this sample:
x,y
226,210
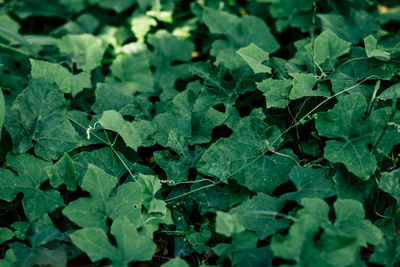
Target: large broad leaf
x,y
63,172
241,157
390,183
66,81
135,134
276,92
45,127
303,84
2,111
240,32
255,56
259,215
32,173
309,183
349,231
345,121
93,211
85,50
131,244
134,70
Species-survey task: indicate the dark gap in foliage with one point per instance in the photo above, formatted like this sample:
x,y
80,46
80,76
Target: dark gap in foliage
x,y
12,211
279,261
284,188
41,25
221,131
219,107
286,40
246,102
192,174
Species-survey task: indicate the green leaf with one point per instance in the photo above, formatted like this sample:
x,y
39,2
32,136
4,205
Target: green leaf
x,y
94,242
259,215
85,50
240,32
56,73
135,134
389,183
241,157
276,92
5,234
151,185
310,183
329,47
228,224
255,56
303,84
343,121
116,5
31,175
372,50
176,262
31,256
63,172
93,211
2,111
391,92
198,239
135,70
45,127
350,221
131,245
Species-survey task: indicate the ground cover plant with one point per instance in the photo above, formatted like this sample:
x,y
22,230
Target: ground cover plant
x,y
199,133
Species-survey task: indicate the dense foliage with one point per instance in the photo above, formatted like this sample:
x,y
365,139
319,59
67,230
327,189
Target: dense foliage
x,y
229,133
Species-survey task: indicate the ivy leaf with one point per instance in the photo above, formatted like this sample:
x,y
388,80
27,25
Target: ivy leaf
x,y
329,47
85,50
310,183
45,127
63,172
350,221
151,185
176,262
31,175
255,56
135,70
303,84
240,32
198,239
56,73
242,157
372,50
351,149
259,214
276,92
93,211
131,245
135,134
389,183
5,234
228,224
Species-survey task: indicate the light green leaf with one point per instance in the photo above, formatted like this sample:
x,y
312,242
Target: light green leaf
x,y
5,234
329,47
350,221
94,242
303,84
390,92
32,173
390,183
63,172
94,210
176,262
372,50
134,69
151,184
255,56
45,127
85,50
135,134
56,73
259,215
198,239
276,92
228,224
310,183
